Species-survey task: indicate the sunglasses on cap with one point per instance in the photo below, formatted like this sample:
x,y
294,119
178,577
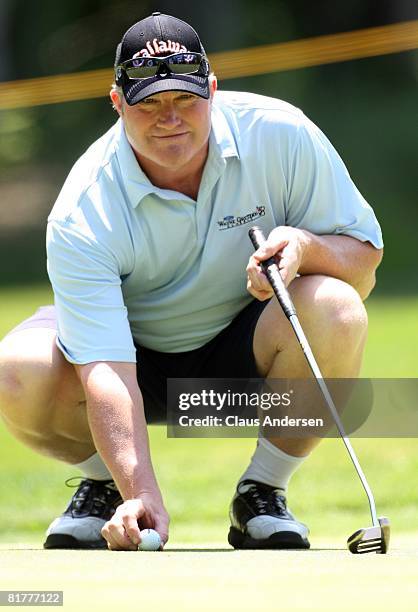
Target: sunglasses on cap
x,y
178,64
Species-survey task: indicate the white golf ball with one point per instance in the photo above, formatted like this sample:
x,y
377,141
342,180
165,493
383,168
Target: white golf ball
x,y
150,540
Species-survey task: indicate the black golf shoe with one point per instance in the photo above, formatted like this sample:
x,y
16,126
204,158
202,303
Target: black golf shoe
x,y
94,503
260,519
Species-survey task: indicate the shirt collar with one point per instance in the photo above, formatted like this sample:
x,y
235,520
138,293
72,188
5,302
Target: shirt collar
x,y
222,133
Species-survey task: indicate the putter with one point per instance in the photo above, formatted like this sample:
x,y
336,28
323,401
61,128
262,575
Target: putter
x,y
368,539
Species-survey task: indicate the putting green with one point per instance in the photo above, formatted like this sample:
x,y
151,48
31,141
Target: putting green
x,y
214,577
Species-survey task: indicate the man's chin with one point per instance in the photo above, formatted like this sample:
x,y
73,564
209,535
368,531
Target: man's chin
x,y
172,159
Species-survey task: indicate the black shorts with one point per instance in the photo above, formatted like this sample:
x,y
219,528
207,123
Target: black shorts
x,y
228,355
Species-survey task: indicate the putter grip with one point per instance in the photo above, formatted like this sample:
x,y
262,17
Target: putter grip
x,y
272,272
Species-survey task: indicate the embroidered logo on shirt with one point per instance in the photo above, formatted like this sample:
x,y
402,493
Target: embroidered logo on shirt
x,y
231,221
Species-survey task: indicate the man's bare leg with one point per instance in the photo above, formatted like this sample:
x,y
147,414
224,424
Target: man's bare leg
x,y
335,323
334,320
41,398
42,403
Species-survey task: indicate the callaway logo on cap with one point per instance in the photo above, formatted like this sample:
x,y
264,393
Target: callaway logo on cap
x,y
140,67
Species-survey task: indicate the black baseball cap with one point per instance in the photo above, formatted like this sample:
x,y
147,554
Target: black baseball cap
x,y
158,36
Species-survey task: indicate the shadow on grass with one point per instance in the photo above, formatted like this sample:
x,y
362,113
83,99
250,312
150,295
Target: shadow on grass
x,y
15,547
231,550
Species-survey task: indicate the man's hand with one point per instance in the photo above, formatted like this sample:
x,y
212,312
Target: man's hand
x,y
288,246
122,532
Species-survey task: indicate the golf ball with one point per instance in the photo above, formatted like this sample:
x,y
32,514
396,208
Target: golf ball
x,y
150,540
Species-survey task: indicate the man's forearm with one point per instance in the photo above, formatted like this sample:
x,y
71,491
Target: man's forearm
x,y
117,422
342,257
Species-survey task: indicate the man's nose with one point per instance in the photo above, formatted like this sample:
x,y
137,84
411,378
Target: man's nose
x,y
168,116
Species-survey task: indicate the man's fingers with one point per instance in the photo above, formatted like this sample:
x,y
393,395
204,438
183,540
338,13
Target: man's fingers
x,y
285,244
112,544
146,522
256,275
122,530
269,249
161,526
262,296
116,537
259,293
132,531
257,282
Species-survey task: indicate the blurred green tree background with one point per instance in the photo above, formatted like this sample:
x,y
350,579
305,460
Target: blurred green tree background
x,y
368,108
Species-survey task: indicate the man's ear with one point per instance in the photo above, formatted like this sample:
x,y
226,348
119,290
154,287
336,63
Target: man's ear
x,y
116,101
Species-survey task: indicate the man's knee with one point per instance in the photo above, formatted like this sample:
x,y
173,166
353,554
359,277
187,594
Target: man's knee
x,y
334,308
10,384
343,308
29,369
41,397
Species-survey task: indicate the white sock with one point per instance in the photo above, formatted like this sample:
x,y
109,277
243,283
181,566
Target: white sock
x,y
94,468
271,465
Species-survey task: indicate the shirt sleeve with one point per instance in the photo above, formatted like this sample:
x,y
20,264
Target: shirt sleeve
x,y
91,316
322,197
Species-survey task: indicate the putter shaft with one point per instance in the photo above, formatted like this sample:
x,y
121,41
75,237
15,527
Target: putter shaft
x,y
331,406
273,274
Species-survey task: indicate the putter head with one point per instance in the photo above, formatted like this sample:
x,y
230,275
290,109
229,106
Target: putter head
x,y
371,539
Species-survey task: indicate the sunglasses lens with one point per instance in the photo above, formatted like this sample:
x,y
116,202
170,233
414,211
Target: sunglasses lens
x,y
142,68
183,69
184,63
180,63
141,73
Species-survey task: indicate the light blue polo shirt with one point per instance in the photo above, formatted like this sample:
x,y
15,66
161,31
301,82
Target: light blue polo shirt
x,y
129,260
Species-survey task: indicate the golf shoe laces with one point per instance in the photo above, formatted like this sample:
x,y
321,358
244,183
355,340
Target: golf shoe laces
x,y
98,498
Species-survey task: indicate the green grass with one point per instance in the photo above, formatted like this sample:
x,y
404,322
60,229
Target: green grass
x,y
391,350
209,578
18,303
197,476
